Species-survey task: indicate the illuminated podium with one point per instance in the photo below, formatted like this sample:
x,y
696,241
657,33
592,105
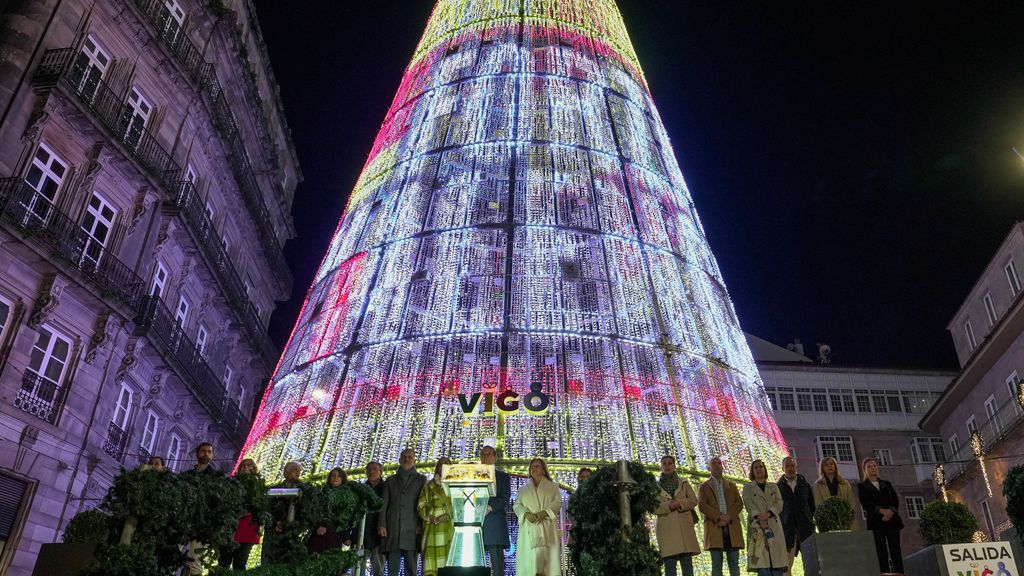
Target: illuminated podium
x,y
469,486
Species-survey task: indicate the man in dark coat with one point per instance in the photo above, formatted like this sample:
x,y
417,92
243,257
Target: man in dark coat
x,y
496,520
371,539
398,523
797,507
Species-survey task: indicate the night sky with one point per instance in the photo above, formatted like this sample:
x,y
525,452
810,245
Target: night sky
x,y
851,162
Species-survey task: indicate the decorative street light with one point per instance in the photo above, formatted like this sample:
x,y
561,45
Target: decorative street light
x,y
978,446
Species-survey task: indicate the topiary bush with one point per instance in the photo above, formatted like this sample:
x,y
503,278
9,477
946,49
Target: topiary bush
x,y
597,547
1013,490
833,515
946,523
90,527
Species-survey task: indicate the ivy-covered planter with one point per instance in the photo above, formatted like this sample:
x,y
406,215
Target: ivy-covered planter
x,y
840,554
64,559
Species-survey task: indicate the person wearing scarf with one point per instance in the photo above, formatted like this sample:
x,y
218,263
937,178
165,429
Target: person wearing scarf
x,y
398,524
538,503
435,509
677,538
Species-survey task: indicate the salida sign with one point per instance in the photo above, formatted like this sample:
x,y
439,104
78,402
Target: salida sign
x,y
988,559
508,402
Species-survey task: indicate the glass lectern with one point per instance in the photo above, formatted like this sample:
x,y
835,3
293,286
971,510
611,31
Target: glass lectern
x,y
469,486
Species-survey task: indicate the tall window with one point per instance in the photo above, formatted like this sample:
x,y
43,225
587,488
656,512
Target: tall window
x,y
181,312
174,453
838,447
803,398
98,222
954,446
136,116
159,280
5,319
90,66
986,513
992,411
43,381
149,433
915,505
117,434
990,309
172,19
45,176
883,455
969,330
229,376
209,211
972,425
1012,386
12,508
786,400
1012,277
927,450
201,336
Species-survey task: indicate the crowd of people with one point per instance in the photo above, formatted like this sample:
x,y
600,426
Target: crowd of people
x,y
415,525
780,516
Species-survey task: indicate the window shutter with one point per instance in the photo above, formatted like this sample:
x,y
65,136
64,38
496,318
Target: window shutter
x,y
12,491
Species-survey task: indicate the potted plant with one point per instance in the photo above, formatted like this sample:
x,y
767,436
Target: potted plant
x,y
835,550
940,523
1013,491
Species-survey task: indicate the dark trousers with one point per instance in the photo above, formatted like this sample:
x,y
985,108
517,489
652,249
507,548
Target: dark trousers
x,y
887,544
235,558
395,558
497,555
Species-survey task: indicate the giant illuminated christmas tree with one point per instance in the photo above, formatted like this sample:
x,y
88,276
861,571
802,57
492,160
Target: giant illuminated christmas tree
x,y
520,263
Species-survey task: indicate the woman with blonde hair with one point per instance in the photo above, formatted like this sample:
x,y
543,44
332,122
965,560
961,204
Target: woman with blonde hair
x,y
766,539
831,483
537,506
882,506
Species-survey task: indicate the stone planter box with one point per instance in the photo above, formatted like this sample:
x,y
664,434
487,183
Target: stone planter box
x,y
840,554
63,559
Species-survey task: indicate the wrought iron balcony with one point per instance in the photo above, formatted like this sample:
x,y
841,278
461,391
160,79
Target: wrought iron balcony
x,y
202,72
66,69
40,396
32,214
116,442
169,31
193,212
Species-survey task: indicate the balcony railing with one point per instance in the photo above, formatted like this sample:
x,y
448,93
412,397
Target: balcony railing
x,y
1007,417
178,43
158,323
65,68
194,214
116,442
40,397
202,72
32,214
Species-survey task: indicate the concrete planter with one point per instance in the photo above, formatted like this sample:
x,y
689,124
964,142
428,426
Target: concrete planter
x,y
840,554
63,559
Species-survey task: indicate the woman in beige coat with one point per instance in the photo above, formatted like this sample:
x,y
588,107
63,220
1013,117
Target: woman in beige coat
x,y
766,540
677,539
831,483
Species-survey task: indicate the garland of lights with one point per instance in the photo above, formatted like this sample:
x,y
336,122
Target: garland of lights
x,y
978,447
520,265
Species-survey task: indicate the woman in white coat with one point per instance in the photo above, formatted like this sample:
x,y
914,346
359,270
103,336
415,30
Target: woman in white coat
x,y
766,541
537,506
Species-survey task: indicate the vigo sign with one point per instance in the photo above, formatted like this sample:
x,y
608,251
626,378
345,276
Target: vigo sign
x,y
508,402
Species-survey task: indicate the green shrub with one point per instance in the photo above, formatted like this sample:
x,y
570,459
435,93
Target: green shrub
x,y
597,546
946,523
89,527
833,515
1013,490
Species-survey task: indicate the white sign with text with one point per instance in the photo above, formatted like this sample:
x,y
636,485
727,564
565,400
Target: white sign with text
x,y
985,559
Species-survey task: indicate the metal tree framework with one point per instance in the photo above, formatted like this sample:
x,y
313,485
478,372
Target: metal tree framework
x,y
521,224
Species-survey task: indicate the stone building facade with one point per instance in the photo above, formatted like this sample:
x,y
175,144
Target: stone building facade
x,y
851,413
147,181
985,398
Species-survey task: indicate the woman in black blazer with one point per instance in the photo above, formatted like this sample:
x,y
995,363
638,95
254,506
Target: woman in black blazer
x,y
881,505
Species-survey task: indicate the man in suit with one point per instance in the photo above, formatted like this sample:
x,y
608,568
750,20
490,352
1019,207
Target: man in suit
x,y
398,523
797,507
720,502
496,521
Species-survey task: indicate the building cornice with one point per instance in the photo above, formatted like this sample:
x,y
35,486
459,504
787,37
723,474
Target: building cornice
x,y
993,264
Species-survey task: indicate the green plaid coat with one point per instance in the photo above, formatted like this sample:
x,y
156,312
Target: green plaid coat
x,y
437,538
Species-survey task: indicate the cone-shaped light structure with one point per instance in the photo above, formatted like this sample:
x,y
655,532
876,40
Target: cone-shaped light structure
x,y
521,227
